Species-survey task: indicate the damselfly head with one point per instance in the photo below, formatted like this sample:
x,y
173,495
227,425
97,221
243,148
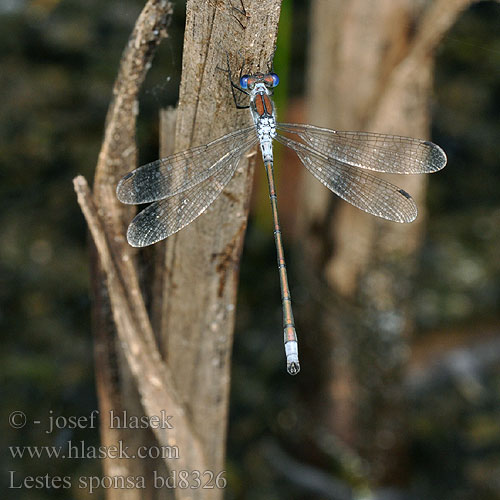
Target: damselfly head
x,y
270,80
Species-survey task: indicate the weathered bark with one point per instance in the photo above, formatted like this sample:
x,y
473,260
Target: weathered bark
x,y
370,69
115,383
184,369
202,261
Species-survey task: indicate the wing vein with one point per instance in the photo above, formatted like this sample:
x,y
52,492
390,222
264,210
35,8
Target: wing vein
x,y
371,151
360,188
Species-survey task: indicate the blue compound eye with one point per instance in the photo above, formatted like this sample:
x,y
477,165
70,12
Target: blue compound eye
x,y
276,79
244,82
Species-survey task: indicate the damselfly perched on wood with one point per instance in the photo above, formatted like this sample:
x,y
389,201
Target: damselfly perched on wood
x,y
182,186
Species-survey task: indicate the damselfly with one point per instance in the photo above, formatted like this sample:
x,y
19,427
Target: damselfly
x,y
182,186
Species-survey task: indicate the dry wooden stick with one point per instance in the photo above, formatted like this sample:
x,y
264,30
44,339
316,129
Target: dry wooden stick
x,y
152,375
201,261
118,155
118,152
103,214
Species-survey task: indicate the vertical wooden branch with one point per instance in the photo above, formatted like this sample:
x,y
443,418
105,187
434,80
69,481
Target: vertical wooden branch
x,y
202,261
116,390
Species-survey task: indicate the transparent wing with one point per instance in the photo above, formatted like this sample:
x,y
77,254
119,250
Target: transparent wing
x,y
378,152
177,173
165,217
358,187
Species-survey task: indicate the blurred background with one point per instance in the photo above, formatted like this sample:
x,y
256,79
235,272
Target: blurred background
x,y
58,62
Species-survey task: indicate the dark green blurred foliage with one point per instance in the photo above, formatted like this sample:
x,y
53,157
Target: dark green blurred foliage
x,y
58,61
460,260
455,417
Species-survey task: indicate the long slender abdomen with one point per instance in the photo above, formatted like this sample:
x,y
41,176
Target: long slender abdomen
x,y
290,335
